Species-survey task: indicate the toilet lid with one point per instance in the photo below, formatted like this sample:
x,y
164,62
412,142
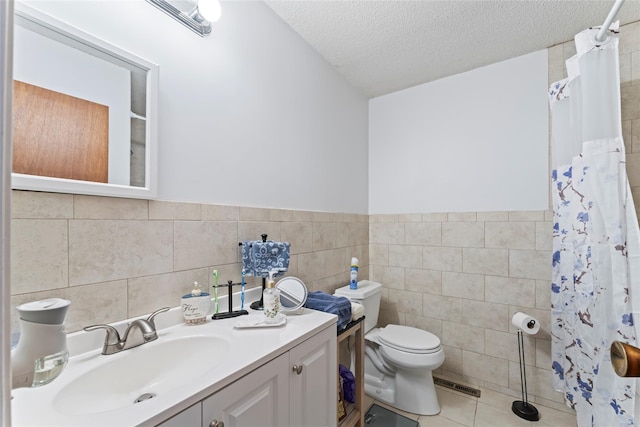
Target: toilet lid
x,y
409,339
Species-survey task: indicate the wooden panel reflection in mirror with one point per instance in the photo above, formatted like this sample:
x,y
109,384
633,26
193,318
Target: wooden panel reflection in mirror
x,y
58,135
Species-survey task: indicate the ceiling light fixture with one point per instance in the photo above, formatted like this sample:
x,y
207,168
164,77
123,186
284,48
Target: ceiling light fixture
x,y
198,18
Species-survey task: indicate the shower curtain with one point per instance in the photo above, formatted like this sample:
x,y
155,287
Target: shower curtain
x,y
596,238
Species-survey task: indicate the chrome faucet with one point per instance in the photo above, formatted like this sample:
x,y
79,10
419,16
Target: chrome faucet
x,y
140,331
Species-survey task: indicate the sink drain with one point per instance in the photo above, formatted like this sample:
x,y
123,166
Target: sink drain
x,y
145,396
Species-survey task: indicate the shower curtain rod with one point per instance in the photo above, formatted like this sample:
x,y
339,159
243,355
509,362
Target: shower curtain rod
x,y
600,37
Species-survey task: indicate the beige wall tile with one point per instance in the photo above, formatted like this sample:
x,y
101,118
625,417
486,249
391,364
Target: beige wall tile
x,y
462,336
249,230
629,37
530,264
504,345
405,256
149,293
299,235
101,251
32,204
511,235
485,315
435,217
461,216
543,294
635,66
486,368
385,233
463,285
463,234
254,214
433,326
220,213
443,308
423,233
492,216
337,262
391,277
543,354
406,302
526,215
311,266
352,233
281,215
445,259
94,207
415,217
629,96
633,169
544,236
425,281
39,257
327,217
324,235
509,290
635,134
379,254
174,210
485,261
452,359
203,243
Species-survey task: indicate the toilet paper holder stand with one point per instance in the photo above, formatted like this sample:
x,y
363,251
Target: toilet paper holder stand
x,y
523,408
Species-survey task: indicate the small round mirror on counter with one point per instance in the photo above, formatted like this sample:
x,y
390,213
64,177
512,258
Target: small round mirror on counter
x,y
293,295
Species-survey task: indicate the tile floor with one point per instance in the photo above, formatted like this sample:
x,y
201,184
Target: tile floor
x,y
491,409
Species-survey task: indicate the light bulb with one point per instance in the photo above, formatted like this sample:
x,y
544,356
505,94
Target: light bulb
x,y
209,9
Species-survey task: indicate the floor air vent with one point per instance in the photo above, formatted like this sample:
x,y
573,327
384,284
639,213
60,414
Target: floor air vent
x,y
457,387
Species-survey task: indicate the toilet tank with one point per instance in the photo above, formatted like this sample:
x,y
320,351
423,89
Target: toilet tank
x,y
367,294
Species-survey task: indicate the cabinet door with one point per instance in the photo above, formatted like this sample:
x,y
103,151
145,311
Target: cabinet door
x,y
190,417
260,398
313,381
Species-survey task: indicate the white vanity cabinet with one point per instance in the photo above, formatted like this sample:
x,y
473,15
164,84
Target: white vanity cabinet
x,y
297,388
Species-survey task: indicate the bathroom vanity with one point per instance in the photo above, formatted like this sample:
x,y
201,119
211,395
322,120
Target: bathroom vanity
x,y
202,375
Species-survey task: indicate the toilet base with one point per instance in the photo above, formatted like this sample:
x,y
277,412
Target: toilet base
x,y
408,391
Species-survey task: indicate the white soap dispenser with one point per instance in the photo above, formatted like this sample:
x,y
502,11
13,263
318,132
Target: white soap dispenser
x,y
271,302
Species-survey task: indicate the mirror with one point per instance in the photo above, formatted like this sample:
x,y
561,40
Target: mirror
x,y
293,294
84,112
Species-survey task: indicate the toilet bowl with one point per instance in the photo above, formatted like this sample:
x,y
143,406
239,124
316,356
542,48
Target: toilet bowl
x,y
399,360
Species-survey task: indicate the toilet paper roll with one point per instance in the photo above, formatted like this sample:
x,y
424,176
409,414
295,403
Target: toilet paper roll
x,y
528,324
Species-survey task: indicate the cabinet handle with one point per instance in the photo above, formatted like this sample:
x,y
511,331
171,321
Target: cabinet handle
x,y
216,423
297,369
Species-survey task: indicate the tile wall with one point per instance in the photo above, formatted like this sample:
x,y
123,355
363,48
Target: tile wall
x,y
117,258
463,275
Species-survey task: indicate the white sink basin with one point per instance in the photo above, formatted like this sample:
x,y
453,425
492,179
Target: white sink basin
x,y
139,373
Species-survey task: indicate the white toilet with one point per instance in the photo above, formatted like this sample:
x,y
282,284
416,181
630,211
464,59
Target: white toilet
x,y
398,359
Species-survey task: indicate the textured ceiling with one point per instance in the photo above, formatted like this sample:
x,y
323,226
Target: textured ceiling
x,y
384,46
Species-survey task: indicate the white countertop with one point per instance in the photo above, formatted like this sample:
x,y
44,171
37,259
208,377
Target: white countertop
x,y
248,349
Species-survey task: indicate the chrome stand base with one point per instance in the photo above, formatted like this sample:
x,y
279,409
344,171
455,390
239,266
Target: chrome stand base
x,y
525,410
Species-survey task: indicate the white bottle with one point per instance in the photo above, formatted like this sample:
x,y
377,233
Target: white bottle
x,y
271,301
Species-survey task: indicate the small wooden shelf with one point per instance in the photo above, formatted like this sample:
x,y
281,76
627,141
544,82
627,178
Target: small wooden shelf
x,y
355,411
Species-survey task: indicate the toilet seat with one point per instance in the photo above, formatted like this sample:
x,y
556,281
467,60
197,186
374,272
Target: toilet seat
x,y
408,339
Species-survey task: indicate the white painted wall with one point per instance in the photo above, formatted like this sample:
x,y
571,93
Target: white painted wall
x,y
249,116
476,141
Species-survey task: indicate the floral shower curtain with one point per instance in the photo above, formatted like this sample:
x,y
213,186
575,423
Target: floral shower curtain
x,y
596,239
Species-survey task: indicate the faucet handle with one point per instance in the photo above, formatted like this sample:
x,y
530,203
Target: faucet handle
x,y
151,317
112,338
